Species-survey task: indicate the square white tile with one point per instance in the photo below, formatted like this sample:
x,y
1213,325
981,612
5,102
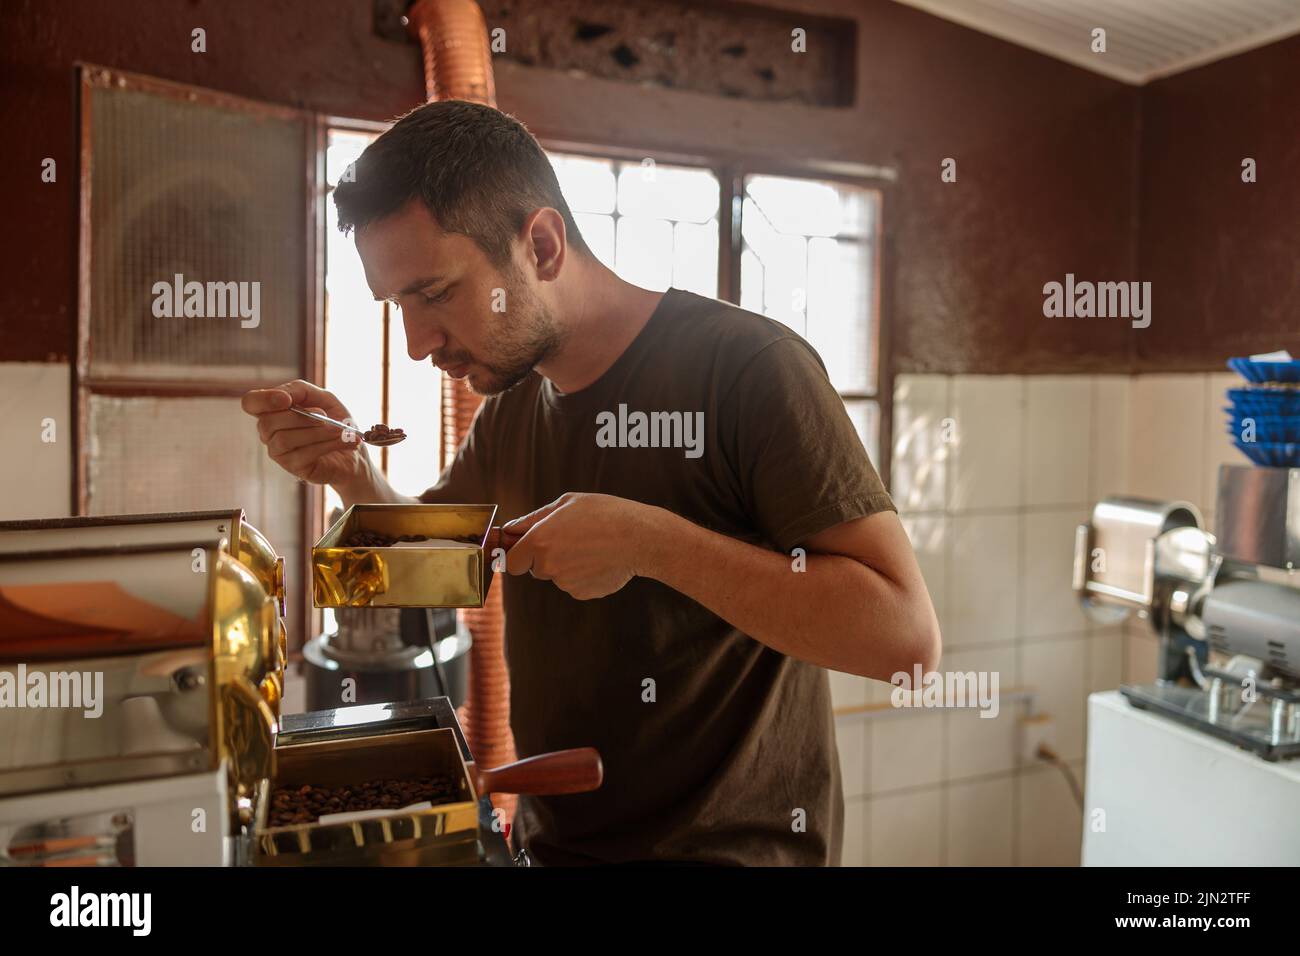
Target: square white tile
x,y
906,829
847,690
36,432
879,691
983,580
851,742
1001,658
1058,439
1050,828
1048,604
919,465
1105,658
987,465
1167,439
981,822
977,745
929,536
905,750
1219,449
1056,670
1109,455
854,852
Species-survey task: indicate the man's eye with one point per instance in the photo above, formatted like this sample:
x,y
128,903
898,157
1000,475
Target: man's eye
x,y
433,299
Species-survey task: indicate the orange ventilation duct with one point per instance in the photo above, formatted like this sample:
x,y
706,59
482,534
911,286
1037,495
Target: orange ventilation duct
x,y
458,66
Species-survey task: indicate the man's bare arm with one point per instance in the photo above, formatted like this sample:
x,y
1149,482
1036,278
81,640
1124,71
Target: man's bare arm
x,y
860,606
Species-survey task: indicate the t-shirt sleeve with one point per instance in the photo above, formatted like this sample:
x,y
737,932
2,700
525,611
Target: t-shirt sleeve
x,y
467,480
800,466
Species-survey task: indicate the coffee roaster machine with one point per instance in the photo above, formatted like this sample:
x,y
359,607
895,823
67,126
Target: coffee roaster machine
x,y
1225,606
142,664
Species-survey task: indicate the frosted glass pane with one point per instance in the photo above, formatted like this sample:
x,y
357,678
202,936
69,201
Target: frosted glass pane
x,y
785,279
587,184
695,257
645,252
751,282
865,416
808,208
598,231
345,147
214,195
413,404
192,454
667,192
808,256
354,330
839,310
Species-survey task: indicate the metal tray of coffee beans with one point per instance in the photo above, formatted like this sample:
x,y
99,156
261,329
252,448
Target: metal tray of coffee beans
x,y
404,555
416,778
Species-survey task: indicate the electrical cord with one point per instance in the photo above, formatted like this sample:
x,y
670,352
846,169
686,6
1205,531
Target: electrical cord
x,y
1048,755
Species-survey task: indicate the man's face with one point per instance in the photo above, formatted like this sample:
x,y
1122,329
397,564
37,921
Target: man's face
x,y
469,317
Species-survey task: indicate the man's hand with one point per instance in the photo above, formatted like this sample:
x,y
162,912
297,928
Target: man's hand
x,y
587,545
314,452
310,451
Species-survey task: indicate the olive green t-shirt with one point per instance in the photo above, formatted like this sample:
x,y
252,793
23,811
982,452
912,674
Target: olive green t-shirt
x,y
717,749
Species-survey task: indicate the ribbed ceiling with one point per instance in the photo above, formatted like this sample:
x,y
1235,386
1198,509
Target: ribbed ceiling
x,y
1145,39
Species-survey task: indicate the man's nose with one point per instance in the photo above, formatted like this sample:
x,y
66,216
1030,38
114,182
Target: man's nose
x,y
422,338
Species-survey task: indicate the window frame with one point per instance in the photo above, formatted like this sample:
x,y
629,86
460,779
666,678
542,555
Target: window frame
x,y
731,172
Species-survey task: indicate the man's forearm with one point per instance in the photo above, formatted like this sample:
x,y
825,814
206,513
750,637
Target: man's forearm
x,y
837,612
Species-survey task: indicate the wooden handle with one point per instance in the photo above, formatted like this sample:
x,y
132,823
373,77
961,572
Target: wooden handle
x,y
564,771
499,537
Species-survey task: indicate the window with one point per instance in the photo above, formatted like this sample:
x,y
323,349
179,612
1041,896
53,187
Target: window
x,y
807,251
366,364
808,260
654,225
803,251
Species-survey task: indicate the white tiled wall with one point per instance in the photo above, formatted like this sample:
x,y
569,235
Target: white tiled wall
x,y
991,475
36,440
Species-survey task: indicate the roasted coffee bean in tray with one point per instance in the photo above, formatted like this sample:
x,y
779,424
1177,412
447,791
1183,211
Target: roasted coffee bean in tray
x,y
365,538
306,804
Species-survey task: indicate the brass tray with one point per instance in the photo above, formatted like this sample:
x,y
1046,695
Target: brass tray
x,y
451,571
446,834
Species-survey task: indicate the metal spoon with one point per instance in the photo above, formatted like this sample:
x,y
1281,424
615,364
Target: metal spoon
x,y
378,443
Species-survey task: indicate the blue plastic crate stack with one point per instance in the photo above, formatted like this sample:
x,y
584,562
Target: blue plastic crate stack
x,y
1264,417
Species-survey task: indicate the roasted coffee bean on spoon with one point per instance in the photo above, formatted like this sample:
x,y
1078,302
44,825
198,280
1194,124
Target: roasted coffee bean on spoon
x,y
381,434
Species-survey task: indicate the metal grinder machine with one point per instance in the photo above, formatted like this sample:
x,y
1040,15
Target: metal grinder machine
x,y
1225,606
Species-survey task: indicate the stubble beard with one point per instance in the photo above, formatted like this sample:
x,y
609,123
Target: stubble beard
x,y
528,335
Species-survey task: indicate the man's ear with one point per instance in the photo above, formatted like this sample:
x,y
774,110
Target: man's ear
x,y
547,242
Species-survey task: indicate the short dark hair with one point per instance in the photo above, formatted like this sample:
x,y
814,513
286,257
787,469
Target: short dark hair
x,y
479,171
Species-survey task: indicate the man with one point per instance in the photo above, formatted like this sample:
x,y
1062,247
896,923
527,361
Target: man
x,y
675,588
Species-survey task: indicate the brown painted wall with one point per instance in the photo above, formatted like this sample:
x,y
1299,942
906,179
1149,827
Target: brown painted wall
x,y
316,54
1047,154
1223,255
